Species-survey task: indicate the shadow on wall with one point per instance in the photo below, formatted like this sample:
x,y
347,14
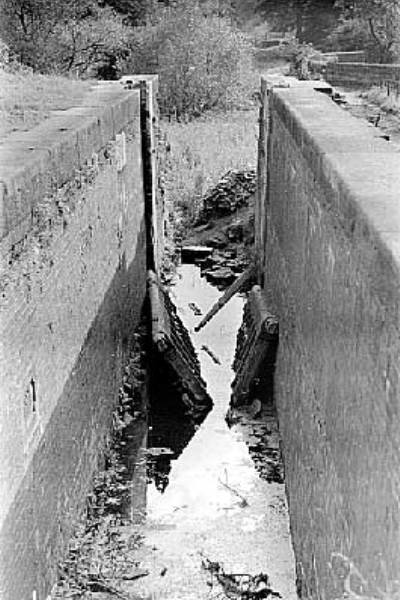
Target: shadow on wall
x,y
49,500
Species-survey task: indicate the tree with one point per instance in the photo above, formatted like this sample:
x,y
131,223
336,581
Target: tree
x,y
95,43
370,24
61,36
27,25
134,11
309,20
203,60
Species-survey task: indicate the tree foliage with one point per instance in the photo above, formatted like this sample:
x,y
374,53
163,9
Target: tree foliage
x,y
135,11
62,36
203,60
308,20
370,24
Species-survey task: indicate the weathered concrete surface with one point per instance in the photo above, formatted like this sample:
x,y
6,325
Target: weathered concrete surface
x,y
332,275
73,281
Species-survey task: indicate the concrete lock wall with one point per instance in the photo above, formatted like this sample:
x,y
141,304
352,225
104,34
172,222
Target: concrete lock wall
x,y
331,272
73,250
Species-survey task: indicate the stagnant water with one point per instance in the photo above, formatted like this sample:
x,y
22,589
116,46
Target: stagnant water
x,y
206,492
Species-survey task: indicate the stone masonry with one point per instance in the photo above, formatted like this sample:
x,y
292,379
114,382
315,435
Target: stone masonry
x,y
332,275
73,255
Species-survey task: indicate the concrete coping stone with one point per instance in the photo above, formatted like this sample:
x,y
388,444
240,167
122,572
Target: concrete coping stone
x,y
274,80
361,171
34,163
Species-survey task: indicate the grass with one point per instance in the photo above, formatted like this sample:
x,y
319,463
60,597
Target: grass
x,y
203,150
27,99
388,103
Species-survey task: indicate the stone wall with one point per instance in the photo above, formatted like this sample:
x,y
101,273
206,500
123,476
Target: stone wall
x,y
357,74
348,56
332,275
73,251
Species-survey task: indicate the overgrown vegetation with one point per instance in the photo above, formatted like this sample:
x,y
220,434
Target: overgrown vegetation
x,y
309,21
203,60
372,25
63,37
199,154
202,151
188,41
389,103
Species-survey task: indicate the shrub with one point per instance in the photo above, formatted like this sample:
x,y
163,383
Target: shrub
x,y
200,152
60,37
203,60
84,46
9,62
297,54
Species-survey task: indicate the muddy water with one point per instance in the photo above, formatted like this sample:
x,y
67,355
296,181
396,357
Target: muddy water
x,y
203,492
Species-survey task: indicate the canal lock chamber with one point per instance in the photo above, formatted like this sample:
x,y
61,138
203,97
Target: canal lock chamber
x,y
195,503
215,479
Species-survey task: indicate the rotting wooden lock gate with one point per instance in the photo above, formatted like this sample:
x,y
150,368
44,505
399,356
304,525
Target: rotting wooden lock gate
x,y
171,340
257,342
255,354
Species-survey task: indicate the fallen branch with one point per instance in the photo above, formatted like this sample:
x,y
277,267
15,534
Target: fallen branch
x,y
136,574
99,585
211,354
194,308
243,501
231,291
240,586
